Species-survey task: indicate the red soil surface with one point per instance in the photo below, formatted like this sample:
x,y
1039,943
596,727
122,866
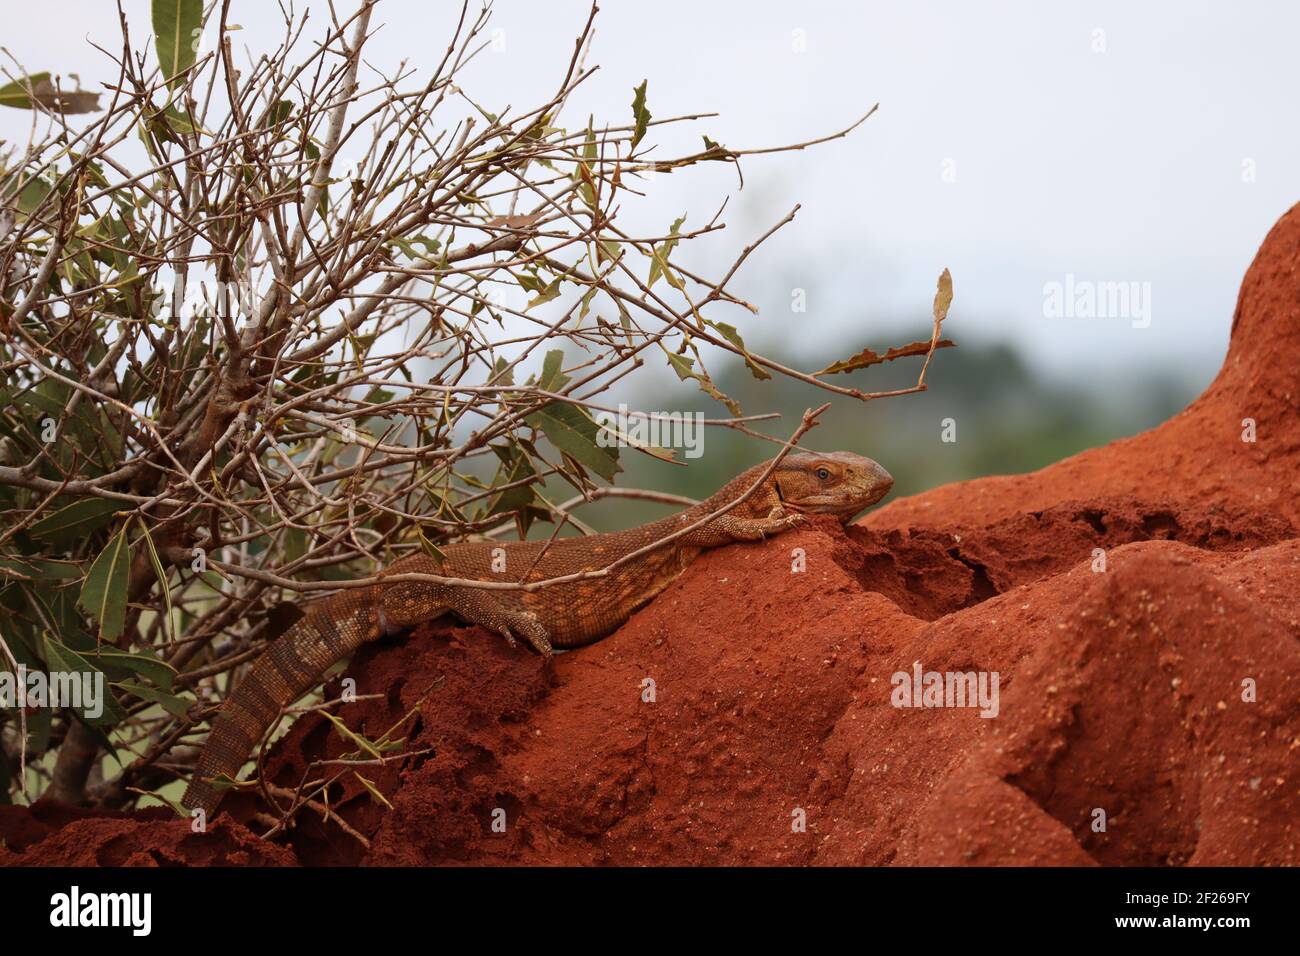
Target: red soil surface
x,y
1121,689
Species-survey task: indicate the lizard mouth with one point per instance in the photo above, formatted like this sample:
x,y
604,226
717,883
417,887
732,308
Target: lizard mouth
x,y
832,505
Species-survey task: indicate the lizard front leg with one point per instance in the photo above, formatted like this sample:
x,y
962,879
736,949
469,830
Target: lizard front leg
x,y
756,529
738,527
499,611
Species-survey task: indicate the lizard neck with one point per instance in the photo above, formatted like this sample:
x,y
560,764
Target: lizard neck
x,y
728,493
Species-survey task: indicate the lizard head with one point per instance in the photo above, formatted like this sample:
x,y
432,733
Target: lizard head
x,y
836,483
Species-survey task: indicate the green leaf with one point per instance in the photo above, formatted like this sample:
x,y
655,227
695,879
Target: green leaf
x,y
553,378
103,594
224,781
430,246
163,582
39,92
32,191
116,662
684,366
659,259
639,113
529,282
374,791
351,736
654,451
19,638
176,706
429,548
515,467
730,333
571,430
502,373
175,805
78,519
175,25
277,113
53,609
68,621
88,430
64,659
606,251
166,123
568,427
550,292
39,569
15,94
587,185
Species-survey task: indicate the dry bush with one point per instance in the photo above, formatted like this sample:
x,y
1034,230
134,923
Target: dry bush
x,y
257,339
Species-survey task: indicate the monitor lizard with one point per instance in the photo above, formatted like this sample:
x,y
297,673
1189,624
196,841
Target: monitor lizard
x,y
766,499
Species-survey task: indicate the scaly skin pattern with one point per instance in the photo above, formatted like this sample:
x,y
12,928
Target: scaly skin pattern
x,y
564,615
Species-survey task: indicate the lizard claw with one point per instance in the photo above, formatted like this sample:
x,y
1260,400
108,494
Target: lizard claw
x,y
536,635
531,631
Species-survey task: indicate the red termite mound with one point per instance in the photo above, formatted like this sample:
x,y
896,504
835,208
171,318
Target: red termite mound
x,y
1137,602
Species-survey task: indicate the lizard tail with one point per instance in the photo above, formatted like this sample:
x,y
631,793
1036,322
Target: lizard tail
x,y
294,663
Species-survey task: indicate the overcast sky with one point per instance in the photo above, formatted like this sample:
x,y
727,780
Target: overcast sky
x,y
1016,144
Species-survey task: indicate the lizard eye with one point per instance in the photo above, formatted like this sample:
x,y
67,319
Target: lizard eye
x,y
823,474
